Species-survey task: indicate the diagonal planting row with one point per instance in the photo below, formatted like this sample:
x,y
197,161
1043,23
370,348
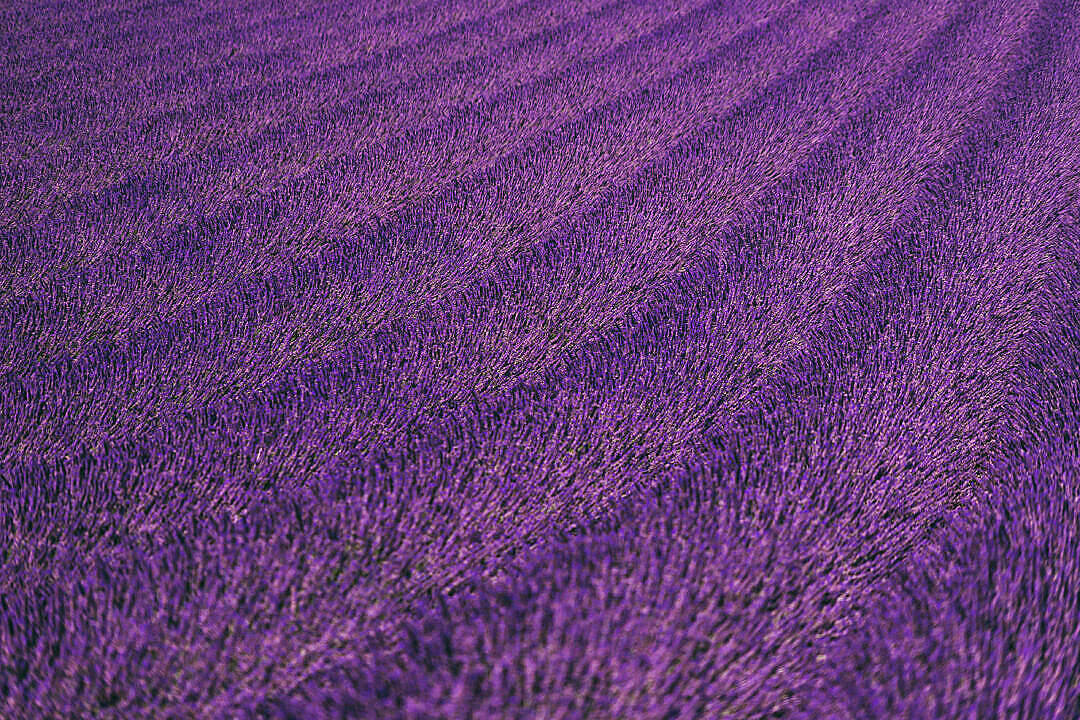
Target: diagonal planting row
x,y
784,579
605,461
185,347
309,180
485,496
91,233
700,352
114,137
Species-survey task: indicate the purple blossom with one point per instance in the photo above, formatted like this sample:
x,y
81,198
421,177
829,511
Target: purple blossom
x,y
489,358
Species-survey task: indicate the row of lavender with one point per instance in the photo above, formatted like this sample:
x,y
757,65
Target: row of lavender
x,y
542,359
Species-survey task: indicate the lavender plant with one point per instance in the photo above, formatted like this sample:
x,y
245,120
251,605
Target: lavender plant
x,y
503,358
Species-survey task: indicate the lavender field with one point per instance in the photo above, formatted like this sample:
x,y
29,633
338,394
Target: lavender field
x,y
540,359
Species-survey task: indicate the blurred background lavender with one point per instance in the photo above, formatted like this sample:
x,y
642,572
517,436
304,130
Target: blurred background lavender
x,y
540,359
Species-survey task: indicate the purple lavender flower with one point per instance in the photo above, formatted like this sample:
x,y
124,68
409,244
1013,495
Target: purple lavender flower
x,y
519,359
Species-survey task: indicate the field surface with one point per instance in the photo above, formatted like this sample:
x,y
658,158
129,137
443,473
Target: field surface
x,y
540,359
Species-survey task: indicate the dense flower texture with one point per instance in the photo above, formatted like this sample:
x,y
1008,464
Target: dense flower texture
x,y
540,359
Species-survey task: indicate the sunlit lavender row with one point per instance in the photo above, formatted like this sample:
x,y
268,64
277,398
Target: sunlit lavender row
x,y
658,359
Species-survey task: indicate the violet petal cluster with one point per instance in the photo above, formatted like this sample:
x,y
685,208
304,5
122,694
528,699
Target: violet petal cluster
x,y
540,359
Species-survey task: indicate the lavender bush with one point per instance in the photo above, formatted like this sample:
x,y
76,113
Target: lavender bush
x,y
522,359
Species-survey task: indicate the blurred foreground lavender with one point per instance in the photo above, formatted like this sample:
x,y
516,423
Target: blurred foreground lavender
x,y
502,359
